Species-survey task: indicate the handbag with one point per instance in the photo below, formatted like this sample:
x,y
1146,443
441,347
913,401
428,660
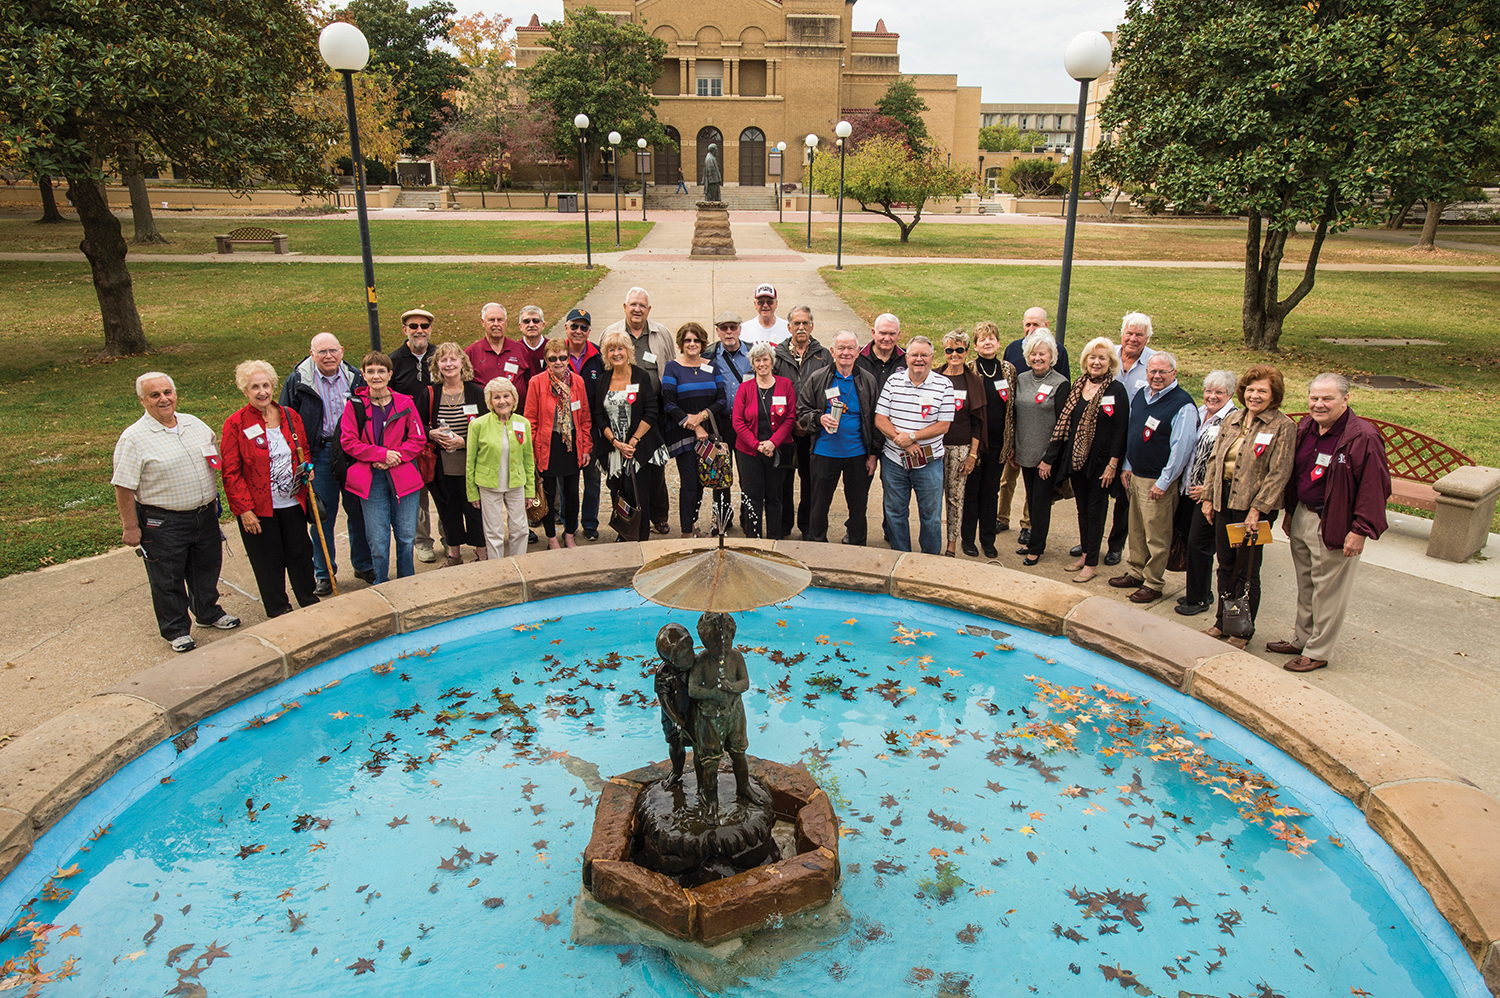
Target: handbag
x,y
625,518
536,514
427,457
715,465
1236,621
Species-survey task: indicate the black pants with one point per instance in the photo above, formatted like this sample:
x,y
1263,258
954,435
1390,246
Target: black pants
x,y
184,553
1093,510
1200,553
982,498
1039,505
660,505
1228,555
760,485
562,496
825,472
796,500
653,491
460,520
1119,530
690,494
282,551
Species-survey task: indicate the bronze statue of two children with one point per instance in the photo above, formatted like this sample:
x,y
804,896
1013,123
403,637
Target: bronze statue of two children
x,y
699,693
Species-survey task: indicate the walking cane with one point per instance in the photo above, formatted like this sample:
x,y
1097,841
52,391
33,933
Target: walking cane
x,y
312,502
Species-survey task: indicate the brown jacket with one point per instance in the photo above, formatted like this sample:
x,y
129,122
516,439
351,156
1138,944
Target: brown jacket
x,y
1259,479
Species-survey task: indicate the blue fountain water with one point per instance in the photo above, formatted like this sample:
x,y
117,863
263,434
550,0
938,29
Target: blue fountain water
x,y
327,835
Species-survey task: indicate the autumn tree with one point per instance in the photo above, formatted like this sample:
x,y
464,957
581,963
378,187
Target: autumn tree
x,y
383,119
902,103
1008,138
1290,112
868,125
209,83
887,178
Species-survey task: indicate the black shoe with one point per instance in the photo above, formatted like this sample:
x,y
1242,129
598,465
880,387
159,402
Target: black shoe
x,y
846,540
990,552
1023,550
1111,557
1001,526
1192,609
590,535
1024,537
970,550
531,537
368,575
1076,550
323,588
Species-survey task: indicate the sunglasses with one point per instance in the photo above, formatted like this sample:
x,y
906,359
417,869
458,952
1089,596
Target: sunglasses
x,y
955,349
728,327
531,320
557,360
419,325
577,325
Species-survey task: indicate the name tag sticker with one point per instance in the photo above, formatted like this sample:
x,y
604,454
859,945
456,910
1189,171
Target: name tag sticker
x,y
1263,438
250,431
1152,422
832,393
747,377
706,368
471,409
1107,400
1045,390
575,405
1324,460
510,367
632,389
960,399
778,400
1002,384
649,357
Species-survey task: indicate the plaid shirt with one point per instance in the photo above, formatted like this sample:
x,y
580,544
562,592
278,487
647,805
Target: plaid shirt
x,y
167,468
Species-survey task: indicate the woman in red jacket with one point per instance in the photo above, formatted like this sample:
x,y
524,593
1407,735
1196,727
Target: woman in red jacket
x,y
264,448
765,408
557,406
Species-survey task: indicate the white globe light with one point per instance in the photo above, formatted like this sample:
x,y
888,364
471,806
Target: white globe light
x,y
843,129
781,147
581,122
344,47
812,141
640,143
1087,56
614,138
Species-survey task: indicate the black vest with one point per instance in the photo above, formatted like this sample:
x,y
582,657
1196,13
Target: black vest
x,y
1148,457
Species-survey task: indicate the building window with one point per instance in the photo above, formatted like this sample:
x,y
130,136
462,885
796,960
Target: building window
x,y
710,73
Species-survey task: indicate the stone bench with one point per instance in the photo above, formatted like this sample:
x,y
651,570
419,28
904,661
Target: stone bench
x,y
251,234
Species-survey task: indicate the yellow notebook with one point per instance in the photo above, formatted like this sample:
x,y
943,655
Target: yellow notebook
x,y
1236,533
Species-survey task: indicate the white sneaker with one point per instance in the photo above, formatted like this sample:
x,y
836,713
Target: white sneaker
x,y
184,643
228,622
426,555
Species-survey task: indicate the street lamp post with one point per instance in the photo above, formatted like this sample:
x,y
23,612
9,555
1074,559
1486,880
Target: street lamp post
x,y
614,156
642,168
581,122
843,130
1086,58
345,49
812,152
780,157
984,187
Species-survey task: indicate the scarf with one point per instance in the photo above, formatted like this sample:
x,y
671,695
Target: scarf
x,y
562,393
1083,440
1198,466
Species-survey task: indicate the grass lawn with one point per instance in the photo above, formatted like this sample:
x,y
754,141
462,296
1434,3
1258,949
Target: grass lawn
x,y
340,236
62,408
1196,314
1223,241
1487,234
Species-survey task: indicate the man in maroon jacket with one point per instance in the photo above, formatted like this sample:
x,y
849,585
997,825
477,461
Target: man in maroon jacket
x,y
1335,500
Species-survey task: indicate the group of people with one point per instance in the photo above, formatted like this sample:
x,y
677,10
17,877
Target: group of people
x,y
510,432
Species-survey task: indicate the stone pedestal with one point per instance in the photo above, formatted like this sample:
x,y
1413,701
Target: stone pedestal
x,y
1465,508
711,237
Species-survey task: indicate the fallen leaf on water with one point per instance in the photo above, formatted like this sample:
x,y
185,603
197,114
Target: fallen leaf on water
x,y
177,951
362,966
548,919
474,881
494,902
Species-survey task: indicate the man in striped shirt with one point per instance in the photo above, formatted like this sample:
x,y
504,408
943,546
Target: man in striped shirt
x,y
913,413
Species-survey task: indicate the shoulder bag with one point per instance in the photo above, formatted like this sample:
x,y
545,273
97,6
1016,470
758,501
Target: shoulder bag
x,y
715,464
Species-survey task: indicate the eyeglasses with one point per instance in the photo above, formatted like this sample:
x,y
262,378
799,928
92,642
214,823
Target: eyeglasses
x,y
531,320
419,325
575,326
561,359
728,327
690,339
955,349
328,353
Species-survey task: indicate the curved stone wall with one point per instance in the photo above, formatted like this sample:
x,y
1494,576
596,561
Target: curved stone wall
x,y
1443,827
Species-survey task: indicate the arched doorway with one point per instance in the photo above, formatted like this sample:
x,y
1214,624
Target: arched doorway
x,y
707,135
669,161
752,158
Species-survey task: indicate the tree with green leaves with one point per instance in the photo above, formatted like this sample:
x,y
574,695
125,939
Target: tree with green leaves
x,y
601,68
1295,112
209,83
1008,138
886,178
903,103
405,46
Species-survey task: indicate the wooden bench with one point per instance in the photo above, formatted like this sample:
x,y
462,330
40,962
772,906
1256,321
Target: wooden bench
x,y
251,234
1416,461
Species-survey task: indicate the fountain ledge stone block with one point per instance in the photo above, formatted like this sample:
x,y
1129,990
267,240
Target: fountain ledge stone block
x,y
1163,649
16,837
614,825
844,566
567,571
190,687
758,897
422,600
315,634
987,590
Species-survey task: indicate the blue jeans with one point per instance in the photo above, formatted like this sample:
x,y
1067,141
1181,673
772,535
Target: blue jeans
x,y
385,513
898,482
326,487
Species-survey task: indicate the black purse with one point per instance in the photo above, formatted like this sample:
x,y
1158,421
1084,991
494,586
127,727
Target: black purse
x,y
625,518
1234,612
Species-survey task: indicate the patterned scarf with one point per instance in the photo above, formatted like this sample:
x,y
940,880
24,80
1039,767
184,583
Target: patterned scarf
x,y
562,421
1083,440
1198,467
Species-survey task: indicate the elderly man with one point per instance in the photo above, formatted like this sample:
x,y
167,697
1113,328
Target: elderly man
x,y
836,409
913,412
494,355
584,359
533,339
653,342
1160,440
1033,319
411,376
731,360
167,491
1335,501
881,356
797,356
766,327
318,388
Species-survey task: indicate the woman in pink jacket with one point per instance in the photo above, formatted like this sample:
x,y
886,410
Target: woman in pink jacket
x,y
382,433
765,409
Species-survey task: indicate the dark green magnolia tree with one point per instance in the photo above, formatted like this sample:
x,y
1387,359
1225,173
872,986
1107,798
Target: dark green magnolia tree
x,y
1296,111
209,83
903,103
603,69
403,45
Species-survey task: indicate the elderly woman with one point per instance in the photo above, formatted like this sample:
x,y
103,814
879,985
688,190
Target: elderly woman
x,y
382,433
635,453
982,489
557,405
765,408
448,407
1088,445
1216,408
697,411
967,436
1039,402
500,474
1246,478
263,449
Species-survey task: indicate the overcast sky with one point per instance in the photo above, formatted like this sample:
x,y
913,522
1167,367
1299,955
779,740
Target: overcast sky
x,y
1013,51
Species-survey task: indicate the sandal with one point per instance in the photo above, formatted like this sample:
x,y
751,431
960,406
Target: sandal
x,y
451,562
1088,573
1076,566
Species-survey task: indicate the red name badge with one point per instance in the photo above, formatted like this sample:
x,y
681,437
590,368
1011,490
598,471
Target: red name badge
x,y
213,461
1317,472
630,398
1259,449
520,435
927,411
1005,395
1041,397
1109,410
1146,435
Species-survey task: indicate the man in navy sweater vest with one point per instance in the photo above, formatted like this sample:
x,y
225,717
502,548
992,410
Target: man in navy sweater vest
x,y
1162,436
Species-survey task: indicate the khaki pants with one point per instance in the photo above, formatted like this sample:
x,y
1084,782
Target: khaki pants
x,y
1150,531
504,512
1010,474
1324,581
